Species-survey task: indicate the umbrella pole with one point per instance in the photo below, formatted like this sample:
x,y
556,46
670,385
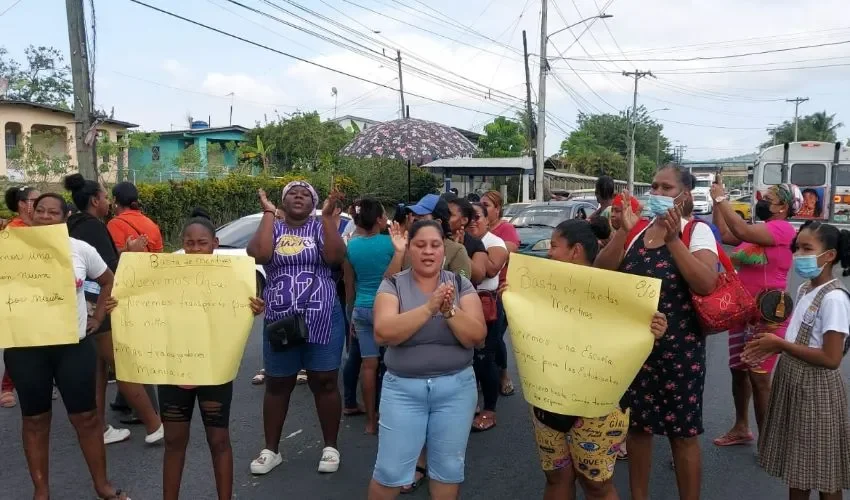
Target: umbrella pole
x,y
409,198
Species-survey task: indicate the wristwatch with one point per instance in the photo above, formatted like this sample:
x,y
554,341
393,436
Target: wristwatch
x,y
451,313
721,199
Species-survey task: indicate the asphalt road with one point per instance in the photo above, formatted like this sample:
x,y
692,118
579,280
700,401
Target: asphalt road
x,y
501,464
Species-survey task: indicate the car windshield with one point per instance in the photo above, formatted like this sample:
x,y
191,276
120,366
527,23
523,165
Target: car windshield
x,y
513,209
700,197
541,216
238,233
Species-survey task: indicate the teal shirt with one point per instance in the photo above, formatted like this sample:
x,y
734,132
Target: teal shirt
x,y
369,256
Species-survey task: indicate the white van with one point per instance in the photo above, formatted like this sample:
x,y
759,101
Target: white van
x,y
820,169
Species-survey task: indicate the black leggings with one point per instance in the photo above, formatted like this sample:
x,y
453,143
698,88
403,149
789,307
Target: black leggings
x,y
501,326
72,366
178,404
486,368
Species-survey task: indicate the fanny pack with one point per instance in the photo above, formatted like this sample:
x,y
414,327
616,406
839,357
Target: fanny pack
x,y
288,332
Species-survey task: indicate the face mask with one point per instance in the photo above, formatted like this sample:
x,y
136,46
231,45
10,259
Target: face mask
x,y
658,205
806,266
763,210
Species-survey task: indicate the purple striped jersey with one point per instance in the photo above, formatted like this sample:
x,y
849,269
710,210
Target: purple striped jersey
x,y
297,279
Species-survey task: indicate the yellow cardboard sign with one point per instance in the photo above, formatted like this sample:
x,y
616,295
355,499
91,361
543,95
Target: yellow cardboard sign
x,y
37,287
181,319
579,334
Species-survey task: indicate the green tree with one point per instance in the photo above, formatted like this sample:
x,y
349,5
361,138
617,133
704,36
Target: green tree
x,y
598,138
818,126
503,138
45,79
302,141
42,156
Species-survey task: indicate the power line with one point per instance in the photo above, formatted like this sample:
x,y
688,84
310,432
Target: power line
x,y
702,125
726,56
10,7
301,59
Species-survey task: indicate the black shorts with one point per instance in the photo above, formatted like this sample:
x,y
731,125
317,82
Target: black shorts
x,y
72,367
177,404
91,303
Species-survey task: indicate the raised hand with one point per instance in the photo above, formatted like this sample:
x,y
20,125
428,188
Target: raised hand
x,y
331,207
264,201
717,191
672,224
457,236
399,237
629,217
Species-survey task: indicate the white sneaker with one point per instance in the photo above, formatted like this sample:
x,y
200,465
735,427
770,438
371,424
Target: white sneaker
x,y
155,436
112,435
267,461
330,460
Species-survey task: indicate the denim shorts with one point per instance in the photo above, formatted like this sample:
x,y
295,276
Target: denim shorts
x,y
310,357
415,412
364,328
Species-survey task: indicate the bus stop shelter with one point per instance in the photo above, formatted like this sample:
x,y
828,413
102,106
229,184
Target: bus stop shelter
x,y
469,168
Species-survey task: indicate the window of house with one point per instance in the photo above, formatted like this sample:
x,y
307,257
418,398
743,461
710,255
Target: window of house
x,y
155,153
11,141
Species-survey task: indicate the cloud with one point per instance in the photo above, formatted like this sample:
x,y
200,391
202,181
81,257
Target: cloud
x,y
244,87
178,73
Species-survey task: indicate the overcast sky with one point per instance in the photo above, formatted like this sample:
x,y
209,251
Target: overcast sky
x,y
154,69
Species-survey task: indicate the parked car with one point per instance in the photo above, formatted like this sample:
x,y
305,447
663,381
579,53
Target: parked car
x,y
702,203
512,210
742,206
234,236
536,222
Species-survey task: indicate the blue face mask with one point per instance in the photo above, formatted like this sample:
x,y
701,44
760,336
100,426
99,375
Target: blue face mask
x,y
806,266
657,205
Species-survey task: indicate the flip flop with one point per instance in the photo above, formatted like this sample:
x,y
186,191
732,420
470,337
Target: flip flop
x,y
353,412
259,378
507,389
476,426
416,482
730,440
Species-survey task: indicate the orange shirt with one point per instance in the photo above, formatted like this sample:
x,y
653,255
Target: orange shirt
x,y
17,222
133,223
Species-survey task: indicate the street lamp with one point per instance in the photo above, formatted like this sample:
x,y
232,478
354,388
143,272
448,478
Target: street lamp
x,y
541,101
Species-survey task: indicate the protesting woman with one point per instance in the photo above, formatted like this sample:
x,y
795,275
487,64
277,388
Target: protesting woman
x,y
486,369
431,321
573,447
367,258
87,225
19,200
304,323
806,437
763,258
71,366
493,202
178,402
129,221
461,215
666,396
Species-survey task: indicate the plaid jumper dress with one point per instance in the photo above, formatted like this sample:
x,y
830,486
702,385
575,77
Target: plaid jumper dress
x,y
806,439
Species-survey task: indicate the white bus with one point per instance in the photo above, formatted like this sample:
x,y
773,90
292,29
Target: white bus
x,y
820,169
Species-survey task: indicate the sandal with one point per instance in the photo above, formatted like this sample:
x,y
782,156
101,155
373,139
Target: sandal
x,y
507,389
259,378
622,454
8,400
353,412
416,482
481,421
729,439
117,496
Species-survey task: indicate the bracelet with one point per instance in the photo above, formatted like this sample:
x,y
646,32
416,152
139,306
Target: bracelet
x,y
720,199
269,212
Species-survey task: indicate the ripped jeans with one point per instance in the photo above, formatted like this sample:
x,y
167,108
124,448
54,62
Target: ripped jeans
x,y
177,404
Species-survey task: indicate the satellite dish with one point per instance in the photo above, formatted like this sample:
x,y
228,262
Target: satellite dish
x,y
333,90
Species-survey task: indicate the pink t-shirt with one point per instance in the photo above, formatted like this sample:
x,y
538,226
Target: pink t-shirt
x,y
766,268
508,233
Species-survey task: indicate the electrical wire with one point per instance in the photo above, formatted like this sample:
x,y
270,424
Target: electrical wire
x,y
301,59
7,9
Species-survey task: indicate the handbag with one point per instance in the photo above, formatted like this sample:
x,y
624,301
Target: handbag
x,y
291,331
488,305
555,421
730,304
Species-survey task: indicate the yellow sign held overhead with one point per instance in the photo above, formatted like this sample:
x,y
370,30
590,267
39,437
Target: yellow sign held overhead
x,y
37,287
181,319
579,334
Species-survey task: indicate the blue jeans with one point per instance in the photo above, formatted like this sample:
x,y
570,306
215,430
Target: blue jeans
x,y
415,412
364,330
310,357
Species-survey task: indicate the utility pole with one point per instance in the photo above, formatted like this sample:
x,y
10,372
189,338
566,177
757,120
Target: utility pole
x,y
400,84
82,87
797,101
531,124
637,74
658,150
540,160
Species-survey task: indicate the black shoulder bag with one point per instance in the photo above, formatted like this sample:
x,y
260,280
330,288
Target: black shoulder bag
x,y
292,331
